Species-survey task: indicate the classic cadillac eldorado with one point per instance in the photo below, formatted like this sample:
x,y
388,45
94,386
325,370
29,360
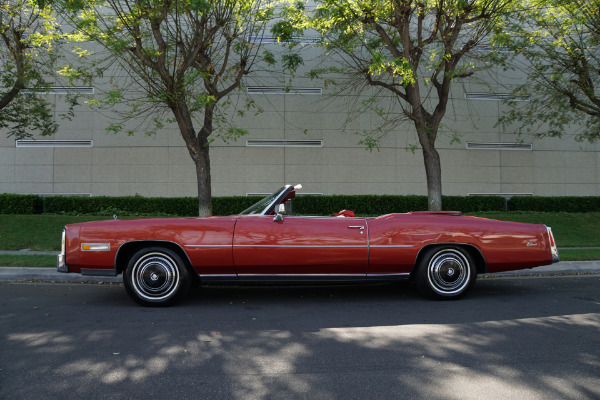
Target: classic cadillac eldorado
x,y
441,251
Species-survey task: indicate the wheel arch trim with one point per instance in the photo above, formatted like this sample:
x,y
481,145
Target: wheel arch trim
x,y
124,252
479,260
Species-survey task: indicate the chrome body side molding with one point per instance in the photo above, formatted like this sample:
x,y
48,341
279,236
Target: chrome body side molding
x,y
302,278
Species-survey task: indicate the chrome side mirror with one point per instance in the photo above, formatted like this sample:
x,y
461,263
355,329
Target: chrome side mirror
x,y
280,212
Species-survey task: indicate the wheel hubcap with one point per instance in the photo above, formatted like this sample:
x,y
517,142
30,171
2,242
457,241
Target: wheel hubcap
x,y
155,276
449,272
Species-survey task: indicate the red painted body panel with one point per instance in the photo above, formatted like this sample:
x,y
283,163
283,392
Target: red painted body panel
x,y
72,247
206,241
504,245
257,245
300,245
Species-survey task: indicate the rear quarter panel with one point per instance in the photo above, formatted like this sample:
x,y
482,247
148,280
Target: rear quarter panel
x,y
396,239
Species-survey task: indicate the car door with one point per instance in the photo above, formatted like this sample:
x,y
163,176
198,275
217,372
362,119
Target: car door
x,y
309,247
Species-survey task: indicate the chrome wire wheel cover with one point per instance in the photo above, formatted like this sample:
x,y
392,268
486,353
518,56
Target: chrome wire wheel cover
x,y
155,276
449,272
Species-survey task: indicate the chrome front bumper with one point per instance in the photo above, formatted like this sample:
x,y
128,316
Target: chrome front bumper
x,y
61,265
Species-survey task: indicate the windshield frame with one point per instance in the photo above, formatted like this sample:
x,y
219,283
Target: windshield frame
x,y
266,205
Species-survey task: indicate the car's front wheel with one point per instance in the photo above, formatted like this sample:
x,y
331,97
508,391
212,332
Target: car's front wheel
x,y
156,276
445,272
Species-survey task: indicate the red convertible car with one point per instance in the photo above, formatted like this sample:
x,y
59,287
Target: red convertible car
x,y
441,251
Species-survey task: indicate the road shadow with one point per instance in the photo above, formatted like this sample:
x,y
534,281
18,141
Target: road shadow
x,y
509,338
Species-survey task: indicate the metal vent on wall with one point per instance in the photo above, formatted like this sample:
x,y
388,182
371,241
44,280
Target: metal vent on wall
x,y
283,143
495,96
54,143
61,90
486,48
506,195
282,90
499,146
64,194
274,40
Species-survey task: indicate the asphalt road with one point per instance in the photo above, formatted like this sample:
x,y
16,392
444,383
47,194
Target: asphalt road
x,y
511,338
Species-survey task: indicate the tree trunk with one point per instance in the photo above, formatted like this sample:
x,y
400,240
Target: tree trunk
x,y
427,133
204,182
433,170
198,149
203,164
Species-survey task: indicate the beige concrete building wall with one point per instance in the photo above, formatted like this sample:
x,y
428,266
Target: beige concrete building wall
x,y
160,165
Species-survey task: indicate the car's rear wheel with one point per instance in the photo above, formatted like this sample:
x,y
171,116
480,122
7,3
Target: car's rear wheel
x,y
156,276
445,272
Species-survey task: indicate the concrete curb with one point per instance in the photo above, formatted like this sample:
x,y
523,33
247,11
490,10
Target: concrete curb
x,y
560,268
27,252
12,274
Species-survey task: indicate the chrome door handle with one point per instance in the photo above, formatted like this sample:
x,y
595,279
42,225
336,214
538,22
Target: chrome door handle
x,y
356,227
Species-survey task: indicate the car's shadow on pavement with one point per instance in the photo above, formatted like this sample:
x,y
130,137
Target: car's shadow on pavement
x,y
377,304
393,303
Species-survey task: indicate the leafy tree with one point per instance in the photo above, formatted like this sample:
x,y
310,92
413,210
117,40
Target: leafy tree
x,y
555,42
29,37
181,60
409,52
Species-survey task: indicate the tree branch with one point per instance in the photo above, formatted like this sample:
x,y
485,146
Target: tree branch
x,y
16,50
391,88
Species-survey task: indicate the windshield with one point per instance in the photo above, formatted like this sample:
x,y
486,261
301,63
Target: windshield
x,y
259,207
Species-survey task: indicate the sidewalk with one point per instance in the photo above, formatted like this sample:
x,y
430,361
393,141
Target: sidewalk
x,y
11,274
560,268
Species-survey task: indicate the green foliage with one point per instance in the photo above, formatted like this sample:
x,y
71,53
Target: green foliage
x,y
130,205
26,260
269,57
233,204
188,54
200,6
360,204
20,204
27,115
555,204
36,232
285,31
179,62
187,206
408,53
127,205
469,204
569,229
291,62
559,42
304,205
29,47
579,254
233,134
386,204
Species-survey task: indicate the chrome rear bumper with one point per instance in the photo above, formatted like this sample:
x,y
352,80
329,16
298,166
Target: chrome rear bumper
x,y
553,247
